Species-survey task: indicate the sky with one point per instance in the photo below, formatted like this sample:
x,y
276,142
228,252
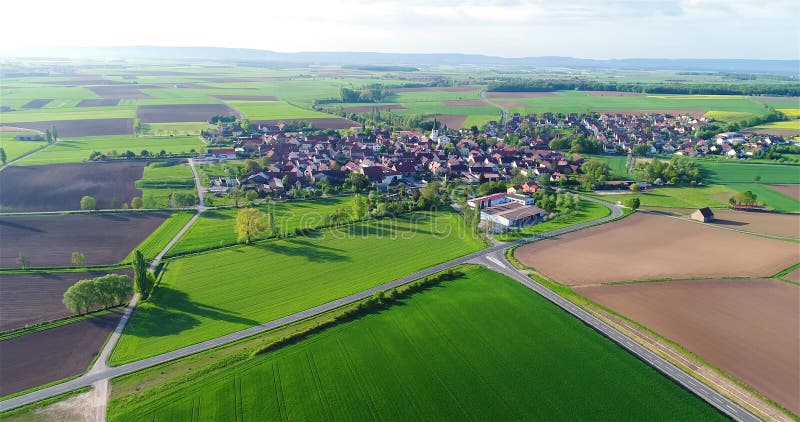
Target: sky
x,y
597,29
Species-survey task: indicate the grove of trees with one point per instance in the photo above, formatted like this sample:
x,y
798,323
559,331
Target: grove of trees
x,y
249,223
101,292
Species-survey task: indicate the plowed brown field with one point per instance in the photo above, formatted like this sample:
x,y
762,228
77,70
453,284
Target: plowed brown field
x,y
748,328
40,358
27,299
49,240
645,246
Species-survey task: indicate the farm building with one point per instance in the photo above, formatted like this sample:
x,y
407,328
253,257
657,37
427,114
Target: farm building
x,y
512,215
498,199
704,215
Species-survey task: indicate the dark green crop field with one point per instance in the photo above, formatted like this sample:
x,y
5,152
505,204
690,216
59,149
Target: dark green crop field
x,y
478,348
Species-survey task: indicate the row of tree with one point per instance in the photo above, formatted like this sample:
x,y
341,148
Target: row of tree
x,y
678,170
517,85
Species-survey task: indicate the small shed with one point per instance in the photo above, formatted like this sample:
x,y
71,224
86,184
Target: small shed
x,y
704,215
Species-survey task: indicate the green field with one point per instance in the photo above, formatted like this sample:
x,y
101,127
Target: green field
x,y
275,110
211,294
79,149
217,227
161,179
617,163
167,129
15,148
714,196
724,173
579,101
775,200
588,211
68,113
157,240
477,348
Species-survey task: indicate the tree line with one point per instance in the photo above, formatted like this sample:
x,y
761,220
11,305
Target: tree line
x,y
526,85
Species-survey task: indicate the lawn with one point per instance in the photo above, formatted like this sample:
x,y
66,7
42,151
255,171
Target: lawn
x,y
733,172
217,227
714,196
157,240
479,120
78,149
587,212
208,295
15,148
617,163
275,110
478,348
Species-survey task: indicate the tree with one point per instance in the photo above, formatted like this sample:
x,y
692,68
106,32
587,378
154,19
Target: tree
x,y
641,150
88,203
245,124
78,259
632,203
251,165
235,194
136,203
635,187
184,199
359,208
142,277
3,156
756,179
249,223
105,291
744,198
251,195
357,181
23,261
54,133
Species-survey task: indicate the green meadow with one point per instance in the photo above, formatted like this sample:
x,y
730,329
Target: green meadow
x,y
78,149
732,172
588,211
482,347
208,295
157,240
216,228
15,148
274,110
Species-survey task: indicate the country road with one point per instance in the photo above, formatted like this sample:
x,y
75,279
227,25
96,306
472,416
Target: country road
x,y
492,257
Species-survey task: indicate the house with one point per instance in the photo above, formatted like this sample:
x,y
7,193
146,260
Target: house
x,y
704,215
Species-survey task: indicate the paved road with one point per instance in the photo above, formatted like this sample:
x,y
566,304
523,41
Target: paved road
x,y
26,155
496,261
493,257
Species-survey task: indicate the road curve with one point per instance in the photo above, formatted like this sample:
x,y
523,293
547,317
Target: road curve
x,y
497,262
103,372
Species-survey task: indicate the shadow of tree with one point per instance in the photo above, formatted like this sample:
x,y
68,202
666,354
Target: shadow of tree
x,y
175,313
297,246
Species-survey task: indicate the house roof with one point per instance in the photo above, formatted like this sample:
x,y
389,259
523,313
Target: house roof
x,y
706,212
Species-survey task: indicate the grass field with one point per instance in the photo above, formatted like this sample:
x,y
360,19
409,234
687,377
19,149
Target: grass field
x,y
212,294
274,110
162,179
68,113
724,173
775,200
157,240
714,196
79,149
15,148
482,348
587,212
617,163
578,101
217,227
167,129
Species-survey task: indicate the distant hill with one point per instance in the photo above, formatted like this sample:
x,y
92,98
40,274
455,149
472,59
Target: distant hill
x,y
783,67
